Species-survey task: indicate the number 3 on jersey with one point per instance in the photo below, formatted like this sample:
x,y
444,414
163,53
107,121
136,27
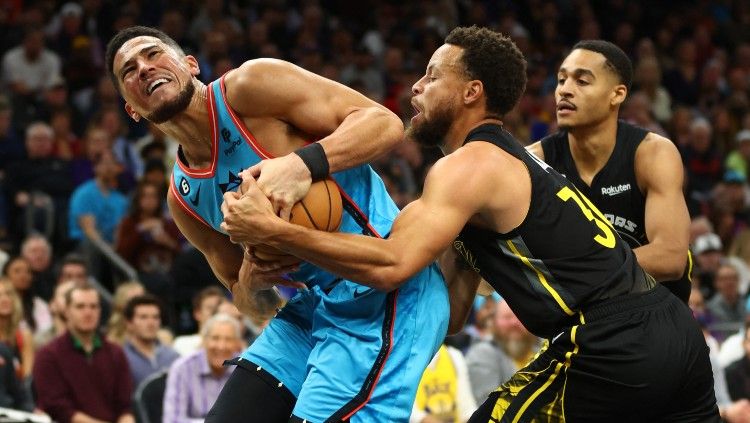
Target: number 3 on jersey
x,y
593,214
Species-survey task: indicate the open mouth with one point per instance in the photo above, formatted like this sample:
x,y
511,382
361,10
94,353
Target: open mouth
x,y
565,106
417,111
155,84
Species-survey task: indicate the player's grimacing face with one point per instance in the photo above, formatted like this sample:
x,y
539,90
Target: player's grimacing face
x,y
436,95
585,89
153,76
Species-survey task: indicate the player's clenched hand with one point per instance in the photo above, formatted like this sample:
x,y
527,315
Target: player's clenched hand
x,y
254,278
248,217
284,180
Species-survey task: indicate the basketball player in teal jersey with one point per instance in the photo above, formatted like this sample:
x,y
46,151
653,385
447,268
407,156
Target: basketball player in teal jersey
x,y
337,351
633,176
536,239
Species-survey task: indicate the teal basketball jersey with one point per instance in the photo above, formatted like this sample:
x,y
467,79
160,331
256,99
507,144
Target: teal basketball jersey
x,y
368,209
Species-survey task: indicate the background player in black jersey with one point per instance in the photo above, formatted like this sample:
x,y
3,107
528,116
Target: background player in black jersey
x,y
526,230
633,176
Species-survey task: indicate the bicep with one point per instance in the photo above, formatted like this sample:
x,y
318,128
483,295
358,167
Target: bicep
x,y
307,101
666,215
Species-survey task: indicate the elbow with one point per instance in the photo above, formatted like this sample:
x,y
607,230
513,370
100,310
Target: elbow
x,y
392,128
388,279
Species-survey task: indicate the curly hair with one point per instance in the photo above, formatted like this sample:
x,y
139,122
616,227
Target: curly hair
x,y
494,59
129,33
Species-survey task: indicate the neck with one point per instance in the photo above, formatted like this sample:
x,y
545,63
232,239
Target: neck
x,y
59,325
192,128
85,338
146,347
464,124
592,145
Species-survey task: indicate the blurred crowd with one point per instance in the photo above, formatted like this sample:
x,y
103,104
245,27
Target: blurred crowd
x,y
81,183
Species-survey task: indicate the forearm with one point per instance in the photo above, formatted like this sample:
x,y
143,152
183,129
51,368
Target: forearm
x,y
662,262
364,135
260,305
369,261
462,287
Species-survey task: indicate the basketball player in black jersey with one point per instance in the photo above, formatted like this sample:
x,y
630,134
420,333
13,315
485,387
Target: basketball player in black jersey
x,y
620,347
633,176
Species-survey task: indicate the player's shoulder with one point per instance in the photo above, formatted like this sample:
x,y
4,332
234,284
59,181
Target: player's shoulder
x,y
655,146
257,71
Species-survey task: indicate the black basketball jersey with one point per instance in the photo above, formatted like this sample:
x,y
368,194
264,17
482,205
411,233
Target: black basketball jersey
x,y
562,258
614,189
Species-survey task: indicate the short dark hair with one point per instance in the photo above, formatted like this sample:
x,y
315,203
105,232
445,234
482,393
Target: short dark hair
x,y
129,33
494,59
616,59
141,300
211,291
71,258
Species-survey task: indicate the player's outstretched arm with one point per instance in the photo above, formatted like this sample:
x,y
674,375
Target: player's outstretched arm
x,y
659,172
350,128
227,262
455,189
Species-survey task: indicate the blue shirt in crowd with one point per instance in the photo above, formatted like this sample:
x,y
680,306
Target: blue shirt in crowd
x,y
142,367
108,210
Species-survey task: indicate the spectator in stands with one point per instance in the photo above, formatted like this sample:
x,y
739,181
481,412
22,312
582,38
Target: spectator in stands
x,y
96,209
43,173
147,240
195,380
117,325
38,252
80,377
96,142
73,268
726,306
738,372
250,330
11,145
36,315
734,412
68,145
704,167
57,309
12,391
707,250
492,362
205,304
111,121
30,68
146,355
12,334
737,160
444,393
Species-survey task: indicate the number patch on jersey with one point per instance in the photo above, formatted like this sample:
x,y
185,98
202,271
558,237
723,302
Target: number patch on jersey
x,y
184,186
607,237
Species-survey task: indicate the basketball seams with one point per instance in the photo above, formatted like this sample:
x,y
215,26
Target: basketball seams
x,y
330,206
309,216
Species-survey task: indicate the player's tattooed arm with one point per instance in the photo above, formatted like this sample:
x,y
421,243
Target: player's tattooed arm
x,y
462,283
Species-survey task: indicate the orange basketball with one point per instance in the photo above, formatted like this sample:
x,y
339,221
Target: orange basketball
x,y
321,209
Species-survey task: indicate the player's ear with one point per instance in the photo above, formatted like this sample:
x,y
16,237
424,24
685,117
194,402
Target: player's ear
x,y
132,113
473,90
192,64
619,94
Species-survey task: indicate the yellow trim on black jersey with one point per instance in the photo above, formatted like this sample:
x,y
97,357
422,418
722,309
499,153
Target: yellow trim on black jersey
x,y
542,279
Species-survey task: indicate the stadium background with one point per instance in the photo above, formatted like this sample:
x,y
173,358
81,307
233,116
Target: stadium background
x,y
692,84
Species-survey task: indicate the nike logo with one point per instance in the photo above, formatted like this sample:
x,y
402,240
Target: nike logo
x,y
195,199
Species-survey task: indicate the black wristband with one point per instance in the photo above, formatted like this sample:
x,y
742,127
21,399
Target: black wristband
x,y
315,159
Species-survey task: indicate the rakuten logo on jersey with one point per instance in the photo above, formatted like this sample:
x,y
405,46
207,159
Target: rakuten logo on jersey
x,y
615,190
